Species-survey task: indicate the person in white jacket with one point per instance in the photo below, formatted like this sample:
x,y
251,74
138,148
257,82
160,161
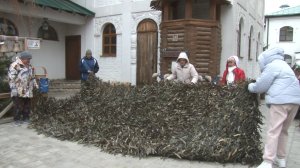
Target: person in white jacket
x,y
184,71
282,90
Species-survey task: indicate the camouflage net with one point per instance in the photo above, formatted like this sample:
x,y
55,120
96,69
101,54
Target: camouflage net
x,y
199,122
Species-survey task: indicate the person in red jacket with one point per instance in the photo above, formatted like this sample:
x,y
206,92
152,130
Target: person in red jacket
x,y
232,74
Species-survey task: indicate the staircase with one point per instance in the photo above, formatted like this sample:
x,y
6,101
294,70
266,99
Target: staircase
x,y
60,88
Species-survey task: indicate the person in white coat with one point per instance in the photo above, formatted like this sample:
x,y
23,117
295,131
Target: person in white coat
x,y
184,71
282,90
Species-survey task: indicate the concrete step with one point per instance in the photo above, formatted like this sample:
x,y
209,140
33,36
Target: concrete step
x,y
64,86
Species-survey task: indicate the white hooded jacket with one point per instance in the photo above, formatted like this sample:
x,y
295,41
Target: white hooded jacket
x,y
277,79
185,74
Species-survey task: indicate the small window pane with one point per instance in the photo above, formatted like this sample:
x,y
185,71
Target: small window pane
x,y
113,40
106,49
113,30
106,30
106,40
201,9
113,49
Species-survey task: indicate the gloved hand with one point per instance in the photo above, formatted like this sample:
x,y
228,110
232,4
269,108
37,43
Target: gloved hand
x,y
14,92
250,87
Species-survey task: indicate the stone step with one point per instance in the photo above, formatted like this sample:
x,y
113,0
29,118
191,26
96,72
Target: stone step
x,y
64,84
63,87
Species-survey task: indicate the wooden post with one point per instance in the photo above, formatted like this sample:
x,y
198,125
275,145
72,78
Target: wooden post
x,y
188,9
165,7
213,9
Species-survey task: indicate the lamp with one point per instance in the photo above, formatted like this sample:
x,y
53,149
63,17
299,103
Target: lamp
x,y
45,24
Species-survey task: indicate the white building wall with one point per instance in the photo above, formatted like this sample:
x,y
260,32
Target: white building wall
x,y
51,55
252,14
274,24
125,15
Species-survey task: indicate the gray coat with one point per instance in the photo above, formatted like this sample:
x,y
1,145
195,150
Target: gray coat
x,y
277,80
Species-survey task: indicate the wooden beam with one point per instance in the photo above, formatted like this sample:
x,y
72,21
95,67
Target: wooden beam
x,y
213,9
5,110
188,9
165,7
4,95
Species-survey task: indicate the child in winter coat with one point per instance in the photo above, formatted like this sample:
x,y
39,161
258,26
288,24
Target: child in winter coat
x,y
184,71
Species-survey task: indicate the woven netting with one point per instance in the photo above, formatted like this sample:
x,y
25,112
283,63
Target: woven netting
x,y
195,122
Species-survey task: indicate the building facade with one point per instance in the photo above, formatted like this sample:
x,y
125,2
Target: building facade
x,y
283,30
126,36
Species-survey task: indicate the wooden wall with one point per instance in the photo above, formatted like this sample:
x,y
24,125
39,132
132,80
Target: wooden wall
x,y
201,38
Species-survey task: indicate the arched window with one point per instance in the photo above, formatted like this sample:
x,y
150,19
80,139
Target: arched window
x,y
109,46
239,38
286,34
8,28
257,46
250,43
47,32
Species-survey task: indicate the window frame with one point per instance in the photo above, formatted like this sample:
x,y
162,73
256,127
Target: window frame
x,y
240,37
112,36
284,34
250,43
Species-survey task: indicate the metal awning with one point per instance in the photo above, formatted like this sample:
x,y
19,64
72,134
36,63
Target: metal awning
x,y
64,5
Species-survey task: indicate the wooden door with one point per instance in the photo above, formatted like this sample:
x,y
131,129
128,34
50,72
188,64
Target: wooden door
x,y
73,51
146,51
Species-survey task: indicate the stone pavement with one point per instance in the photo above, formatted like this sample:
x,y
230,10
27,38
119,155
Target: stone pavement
x,y
21,147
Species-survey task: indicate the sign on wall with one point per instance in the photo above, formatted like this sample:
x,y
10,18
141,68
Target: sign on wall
x,y
33,44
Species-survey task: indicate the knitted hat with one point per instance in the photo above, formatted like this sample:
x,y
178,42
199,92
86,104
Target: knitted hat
x,y
25,55
88,52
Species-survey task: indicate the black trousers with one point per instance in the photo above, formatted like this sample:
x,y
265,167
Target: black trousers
x,y
21,108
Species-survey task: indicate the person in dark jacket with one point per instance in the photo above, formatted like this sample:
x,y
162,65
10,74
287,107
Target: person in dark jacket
x,y
88,65
232,74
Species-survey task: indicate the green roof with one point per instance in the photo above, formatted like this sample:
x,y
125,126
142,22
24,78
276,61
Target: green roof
x,y
65,5
290,11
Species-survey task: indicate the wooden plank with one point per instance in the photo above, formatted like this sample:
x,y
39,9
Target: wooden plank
x,y
5,110
4,95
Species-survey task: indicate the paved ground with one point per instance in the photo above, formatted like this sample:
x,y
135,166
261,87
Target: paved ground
x,y
21,147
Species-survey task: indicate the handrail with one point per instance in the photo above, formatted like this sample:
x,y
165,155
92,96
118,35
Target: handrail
x,y
9,106
4,95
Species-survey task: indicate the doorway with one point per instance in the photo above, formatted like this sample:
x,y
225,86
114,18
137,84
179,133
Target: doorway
x,y
146,51
73,51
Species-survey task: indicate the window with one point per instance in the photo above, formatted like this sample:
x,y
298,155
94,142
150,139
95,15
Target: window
x,y
109,47
257,46
239,37
286,34
250,43
201,9
176,9
8,28
47,32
